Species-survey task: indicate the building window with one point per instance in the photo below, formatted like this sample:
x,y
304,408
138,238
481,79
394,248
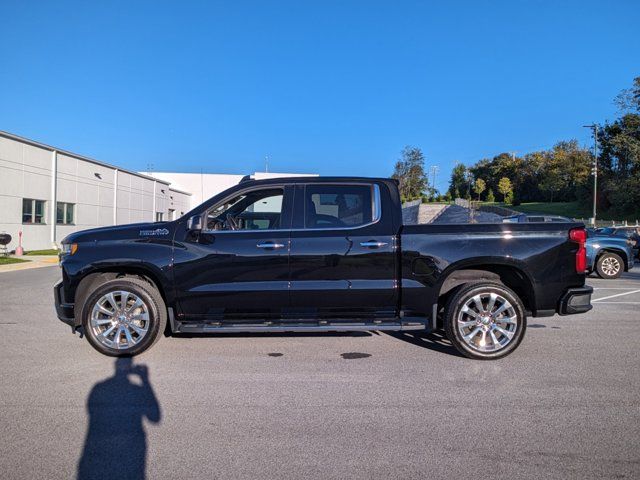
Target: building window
x,y
159,216
33,211
172,214
64,213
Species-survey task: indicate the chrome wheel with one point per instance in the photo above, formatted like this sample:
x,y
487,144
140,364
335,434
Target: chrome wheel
x,y
487,322
610,266
119,320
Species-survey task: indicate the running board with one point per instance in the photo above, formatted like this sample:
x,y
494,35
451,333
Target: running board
x,y
315,326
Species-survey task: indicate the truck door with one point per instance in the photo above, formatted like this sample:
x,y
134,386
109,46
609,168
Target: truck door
x,y
343,257
237,267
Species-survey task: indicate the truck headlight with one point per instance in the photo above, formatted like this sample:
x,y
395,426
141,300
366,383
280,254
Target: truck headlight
x,y
69,248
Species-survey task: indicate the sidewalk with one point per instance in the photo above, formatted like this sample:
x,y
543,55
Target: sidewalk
x,y
34,261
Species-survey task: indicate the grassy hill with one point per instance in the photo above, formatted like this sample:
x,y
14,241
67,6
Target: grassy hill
x,y
566,209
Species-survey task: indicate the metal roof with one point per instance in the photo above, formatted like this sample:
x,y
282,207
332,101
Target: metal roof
x,y
17,138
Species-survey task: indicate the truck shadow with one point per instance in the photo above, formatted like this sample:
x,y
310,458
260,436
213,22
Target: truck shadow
x,y
273,334
436,341
116,443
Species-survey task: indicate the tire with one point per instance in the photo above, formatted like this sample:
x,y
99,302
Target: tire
x,y
496,335
138,318
609,266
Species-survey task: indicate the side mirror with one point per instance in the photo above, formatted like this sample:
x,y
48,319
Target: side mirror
x,y
194,223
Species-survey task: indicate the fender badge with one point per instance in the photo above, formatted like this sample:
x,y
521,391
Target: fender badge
x,y
158,232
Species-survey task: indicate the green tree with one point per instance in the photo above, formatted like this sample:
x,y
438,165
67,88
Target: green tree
x,y
553,177
629,98
491,198
619,158
564,170
508,198
505,188
458,182
479,187
409,171
619,163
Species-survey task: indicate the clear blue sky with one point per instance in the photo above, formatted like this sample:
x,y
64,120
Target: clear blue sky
x,y
326,87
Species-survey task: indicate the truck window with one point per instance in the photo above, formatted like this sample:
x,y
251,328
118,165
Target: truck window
x,y
336,206
256,210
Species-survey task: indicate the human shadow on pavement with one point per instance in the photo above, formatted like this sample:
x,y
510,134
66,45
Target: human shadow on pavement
x,y
116,443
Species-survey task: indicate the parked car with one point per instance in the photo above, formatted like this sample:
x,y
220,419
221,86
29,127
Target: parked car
x,y
528,218
609,256
630,233
318,254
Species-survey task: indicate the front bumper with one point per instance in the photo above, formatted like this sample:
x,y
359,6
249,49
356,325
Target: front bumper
x,y
575,300
63,310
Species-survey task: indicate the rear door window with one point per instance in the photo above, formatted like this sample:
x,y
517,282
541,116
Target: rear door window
x,y
338,206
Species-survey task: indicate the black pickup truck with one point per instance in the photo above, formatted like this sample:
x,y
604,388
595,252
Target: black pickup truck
x,y
314,255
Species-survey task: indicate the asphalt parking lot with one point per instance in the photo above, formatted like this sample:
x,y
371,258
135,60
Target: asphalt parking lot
x,y
566,404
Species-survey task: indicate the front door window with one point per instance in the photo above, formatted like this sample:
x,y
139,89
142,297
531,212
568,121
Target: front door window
x,y
256,210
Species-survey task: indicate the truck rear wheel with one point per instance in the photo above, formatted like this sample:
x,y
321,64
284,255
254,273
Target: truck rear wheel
x,y
485,320
124,317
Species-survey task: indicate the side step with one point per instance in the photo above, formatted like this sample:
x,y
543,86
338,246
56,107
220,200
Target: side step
x,y
334,325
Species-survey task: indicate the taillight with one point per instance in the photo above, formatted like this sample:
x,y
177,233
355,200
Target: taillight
x,y
579,235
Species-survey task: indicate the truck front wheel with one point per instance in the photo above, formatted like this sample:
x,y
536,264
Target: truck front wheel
x,y
124,316
485,320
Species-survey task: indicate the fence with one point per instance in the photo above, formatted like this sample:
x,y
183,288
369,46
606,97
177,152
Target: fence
x,y
502,211
607,223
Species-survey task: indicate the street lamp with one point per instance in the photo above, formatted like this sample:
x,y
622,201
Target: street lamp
x,y
594,127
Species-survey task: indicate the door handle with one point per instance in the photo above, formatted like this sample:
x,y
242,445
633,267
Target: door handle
x,y
270,245
373,244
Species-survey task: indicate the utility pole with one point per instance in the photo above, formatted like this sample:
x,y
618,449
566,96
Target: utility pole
x,y
594,127
434,171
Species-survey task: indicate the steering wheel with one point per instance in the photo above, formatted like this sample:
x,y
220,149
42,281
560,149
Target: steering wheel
x,y
231,222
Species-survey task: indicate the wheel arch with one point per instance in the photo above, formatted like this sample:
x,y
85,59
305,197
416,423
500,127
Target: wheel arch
x,y
511,275
99,275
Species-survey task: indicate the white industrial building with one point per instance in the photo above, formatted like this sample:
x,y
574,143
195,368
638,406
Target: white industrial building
x,y
47,193
203,186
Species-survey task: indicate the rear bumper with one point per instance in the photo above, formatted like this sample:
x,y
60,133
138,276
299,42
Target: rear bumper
x,y
64,310
575,300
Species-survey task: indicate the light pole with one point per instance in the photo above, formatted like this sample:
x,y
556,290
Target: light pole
x,y
434,172
594,127
469,179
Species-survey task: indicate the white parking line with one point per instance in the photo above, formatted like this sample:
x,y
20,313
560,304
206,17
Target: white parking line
x,y
621,303
616,295
611,288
